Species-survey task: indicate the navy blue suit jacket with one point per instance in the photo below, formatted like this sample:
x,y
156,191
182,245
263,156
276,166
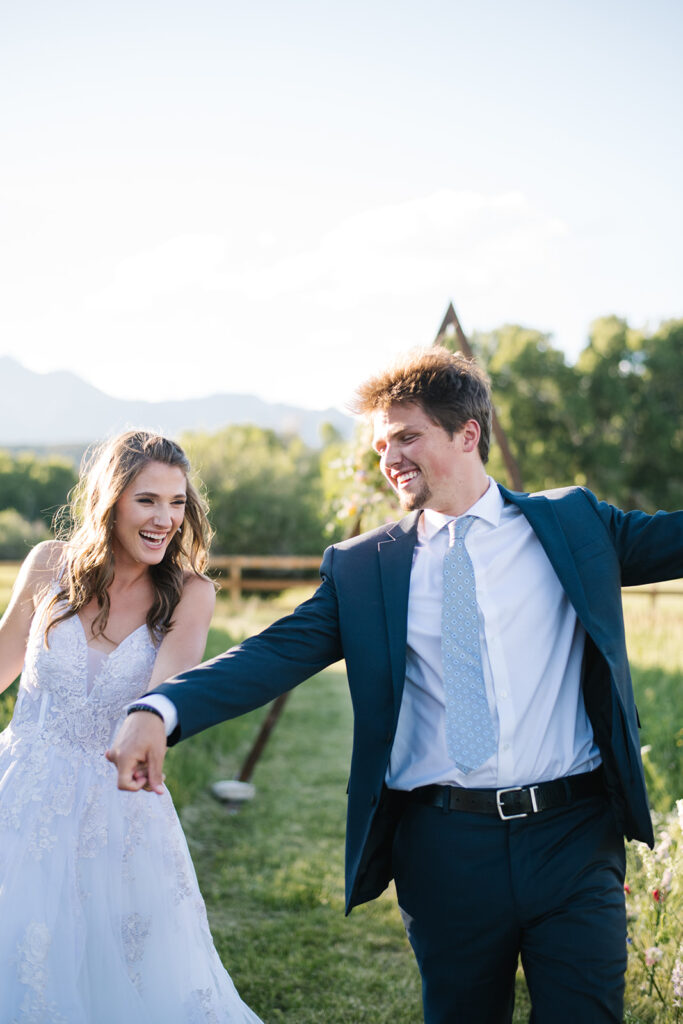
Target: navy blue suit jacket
x,y
359,613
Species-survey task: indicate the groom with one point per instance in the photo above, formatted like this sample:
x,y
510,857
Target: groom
x,y
496,764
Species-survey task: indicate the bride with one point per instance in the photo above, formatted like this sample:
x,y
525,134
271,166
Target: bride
x,y
102,919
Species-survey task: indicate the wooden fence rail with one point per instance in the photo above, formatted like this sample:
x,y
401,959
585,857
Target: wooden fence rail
x,y
291,569
672,588
297,569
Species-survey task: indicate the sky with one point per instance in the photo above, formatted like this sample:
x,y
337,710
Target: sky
x,y
276,198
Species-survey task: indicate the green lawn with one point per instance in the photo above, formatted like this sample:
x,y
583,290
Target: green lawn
x,y
272,874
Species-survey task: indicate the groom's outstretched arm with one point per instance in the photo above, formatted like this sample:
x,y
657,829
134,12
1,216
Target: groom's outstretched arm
x,y
246,677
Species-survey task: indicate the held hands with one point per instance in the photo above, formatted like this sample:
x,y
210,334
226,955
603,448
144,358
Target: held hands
x,y
138,751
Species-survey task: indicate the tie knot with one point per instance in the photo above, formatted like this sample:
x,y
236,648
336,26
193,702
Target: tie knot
x,y
457,528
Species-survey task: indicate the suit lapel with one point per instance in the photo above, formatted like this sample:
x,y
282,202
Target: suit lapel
x,y
541,515
395,562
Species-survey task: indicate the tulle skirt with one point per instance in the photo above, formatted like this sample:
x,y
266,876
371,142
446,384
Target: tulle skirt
x,y
101,918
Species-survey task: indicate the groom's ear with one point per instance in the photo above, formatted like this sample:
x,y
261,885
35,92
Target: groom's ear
x,y
470,435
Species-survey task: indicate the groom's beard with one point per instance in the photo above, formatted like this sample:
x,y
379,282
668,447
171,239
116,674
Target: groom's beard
x,y
412,500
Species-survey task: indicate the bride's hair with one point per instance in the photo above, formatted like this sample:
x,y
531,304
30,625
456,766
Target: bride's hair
x,y
88,522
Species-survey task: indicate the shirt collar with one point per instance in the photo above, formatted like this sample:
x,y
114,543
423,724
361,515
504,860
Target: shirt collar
x,y
489,508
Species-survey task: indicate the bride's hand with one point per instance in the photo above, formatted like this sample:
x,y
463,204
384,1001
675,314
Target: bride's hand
x,y
138,751
142,773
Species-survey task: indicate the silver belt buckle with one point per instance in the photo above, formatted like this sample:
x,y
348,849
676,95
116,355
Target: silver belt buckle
x,y
516,789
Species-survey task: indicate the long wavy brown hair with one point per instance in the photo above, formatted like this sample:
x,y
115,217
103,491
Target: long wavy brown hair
x,y
88,567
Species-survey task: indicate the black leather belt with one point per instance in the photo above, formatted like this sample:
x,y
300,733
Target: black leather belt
x,y
514,801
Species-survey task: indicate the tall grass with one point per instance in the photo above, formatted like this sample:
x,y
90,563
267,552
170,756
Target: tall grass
x,y
654,632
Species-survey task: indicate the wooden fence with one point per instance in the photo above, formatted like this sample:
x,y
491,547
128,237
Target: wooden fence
x,y
672,588
290,569
240,574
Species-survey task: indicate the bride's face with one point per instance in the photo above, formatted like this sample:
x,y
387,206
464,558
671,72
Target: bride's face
x,y
149,513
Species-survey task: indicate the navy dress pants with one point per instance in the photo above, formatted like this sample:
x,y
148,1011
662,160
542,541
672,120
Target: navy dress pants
x,y
476,892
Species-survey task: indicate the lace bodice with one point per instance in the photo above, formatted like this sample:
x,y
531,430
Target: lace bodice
x,y
60,705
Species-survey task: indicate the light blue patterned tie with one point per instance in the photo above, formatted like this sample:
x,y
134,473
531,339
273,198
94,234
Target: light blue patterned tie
x,y
469,729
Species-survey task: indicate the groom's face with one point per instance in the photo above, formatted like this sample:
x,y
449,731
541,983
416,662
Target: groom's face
x,y
424,465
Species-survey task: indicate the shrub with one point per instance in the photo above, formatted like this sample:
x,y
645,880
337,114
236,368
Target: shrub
x,y
18,535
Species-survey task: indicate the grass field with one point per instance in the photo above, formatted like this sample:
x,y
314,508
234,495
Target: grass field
x,y
272,874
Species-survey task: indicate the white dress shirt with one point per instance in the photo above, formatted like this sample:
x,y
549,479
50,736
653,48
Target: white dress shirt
x,y
532,650
164,706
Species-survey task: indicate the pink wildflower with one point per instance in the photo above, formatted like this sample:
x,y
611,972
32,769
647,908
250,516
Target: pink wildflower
x,y
653,955
677,980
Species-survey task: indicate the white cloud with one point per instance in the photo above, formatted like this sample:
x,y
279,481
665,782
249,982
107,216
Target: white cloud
x,y
438,241
208,311
149,277
236,309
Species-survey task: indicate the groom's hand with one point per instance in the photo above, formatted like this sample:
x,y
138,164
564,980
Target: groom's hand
x,y
138,751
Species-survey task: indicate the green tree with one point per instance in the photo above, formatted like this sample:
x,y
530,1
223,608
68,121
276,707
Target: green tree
x,y
18,535
609,370
611,421
655,468
264,491
537,402
632,438
35,487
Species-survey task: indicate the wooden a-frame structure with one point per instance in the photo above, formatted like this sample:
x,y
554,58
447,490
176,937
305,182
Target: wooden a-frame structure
x,y
450,326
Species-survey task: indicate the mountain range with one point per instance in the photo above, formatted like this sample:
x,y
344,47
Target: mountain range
x,y
60,408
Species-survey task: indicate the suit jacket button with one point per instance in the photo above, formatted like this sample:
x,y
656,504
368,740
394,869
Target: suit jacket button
x,y
373,800
389,738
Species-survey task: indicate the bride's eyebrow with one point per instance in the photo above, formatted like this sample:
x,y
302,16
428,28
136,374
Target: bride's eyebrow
x,y
153,494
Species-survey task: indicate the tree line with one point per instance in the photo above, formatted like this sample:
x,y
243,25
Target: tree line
x,y
610,421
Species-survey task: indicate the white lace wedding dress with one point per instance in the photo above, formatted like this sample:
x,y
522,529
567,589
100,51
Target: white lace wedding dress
x,y
101,918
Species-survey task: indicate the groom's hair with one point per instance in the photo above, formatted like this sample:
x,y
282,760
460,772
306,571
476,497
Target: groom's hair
x,y
449,387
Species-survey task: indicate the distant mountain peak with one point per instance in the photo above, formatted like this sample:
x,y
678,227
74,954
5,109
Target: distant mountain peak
x,y
59,407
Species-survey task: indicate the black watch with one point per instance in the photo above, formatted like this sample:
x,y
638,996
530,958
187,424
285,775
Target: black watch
x,y
145,707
